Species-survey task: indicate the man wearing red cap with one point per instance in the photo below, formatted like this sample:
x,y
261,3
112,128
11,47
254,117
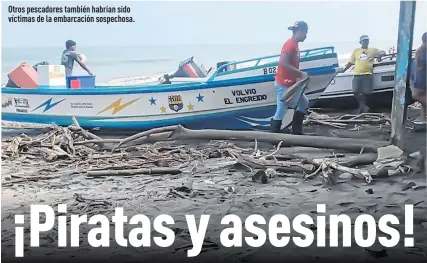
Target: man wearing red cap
x,y
287,74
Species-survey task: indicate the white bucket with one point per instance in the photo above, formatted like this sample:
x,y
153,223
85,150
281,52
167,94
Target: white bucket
x,y
83,57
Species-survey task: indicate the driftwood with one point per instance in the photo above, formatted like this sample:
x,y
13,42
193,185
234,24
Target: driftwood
x,y
97,141
362,159
178,132
343,121
147,133
353,145
335,125
181,133
134,155
376,121
325,164
54,153
152,171
282,166
30,179
86,134
13,146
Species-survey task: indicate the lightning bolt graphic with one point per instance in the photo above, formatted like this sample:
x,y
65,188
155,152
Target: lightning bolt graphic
x,y
118,106
49,105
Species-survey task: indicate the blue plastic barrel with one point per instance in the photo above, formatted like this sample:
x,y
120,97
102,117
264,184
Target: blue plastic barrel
x,y
86,82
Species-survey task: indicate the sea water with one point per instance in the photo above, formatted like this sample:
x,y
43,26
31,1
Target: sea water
x,y
112,62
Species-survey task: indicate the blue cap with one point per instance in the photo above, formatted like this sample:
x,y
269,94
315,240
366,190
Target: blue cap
x,y
364,37
299,25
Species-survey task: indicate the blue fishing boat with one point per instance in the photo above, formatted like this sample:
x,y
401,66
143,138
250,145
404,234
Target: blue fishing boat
x,y
237,95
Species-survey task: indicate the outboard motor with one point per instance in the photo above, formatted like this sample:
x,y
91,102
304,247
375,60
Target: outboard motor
x,y
165,79
189,69
186,69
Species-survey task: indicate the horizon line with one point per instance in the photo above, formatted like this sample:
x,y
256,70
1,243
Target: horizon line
x,y
184,44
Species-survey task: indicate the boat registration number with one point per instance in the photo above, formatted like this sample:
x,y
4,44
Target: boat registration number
x,y
271,70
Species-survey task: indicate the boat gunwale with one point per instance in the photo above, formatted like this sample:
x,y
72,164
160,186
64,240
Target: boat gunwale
x,y
270,64
304,56
178,87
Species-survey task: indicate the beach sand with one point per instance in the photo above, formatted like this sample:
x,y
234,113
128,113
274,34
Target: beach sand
x,y
218,193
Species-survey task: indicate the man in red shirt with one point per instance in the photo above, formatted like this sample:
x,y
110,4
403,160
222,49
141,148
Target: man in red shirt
x,y
287,74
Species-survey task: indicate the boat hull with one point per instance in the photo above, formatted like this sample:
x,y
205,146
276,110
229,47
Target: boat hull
x,y
240,107
239,99
339,92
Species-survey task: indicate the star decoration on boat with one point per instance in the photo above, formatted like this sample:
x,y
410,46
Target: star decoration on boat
x,y
190,107
152,101
163,109
200,98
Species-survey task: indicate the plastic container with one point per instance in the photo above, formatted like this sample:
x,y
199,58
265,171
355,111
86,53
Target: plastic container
x,y
86,82
75,84
51,77
24,76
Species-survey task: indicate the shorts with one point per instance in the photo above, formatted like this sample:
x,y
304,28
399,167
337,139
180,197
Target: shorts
x,y
420,82
362,84
418,78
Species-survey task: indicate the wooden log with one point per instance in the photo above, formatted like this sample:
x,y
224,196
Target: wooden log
x,y
282,157
147,133
30,178
353,145
108,156
362,159
152,138
103,141
152,171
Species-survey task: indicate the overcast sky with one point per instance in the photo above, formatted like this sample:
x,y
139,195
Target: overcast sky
x,y
174,23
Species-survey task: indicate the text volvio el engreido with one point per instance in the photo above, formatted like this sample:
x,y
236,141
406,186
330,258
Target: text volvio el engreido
x,y
248,95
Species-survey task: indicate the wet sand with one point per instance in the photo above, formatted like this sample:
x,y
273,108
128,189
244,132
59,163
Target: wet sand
x,y
218,193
